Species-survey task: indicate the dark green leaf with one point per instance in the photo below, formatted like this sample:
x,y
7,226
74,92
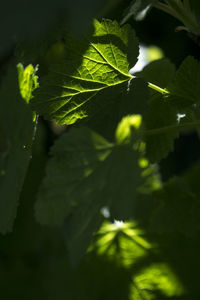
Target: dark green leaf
x,y
32,22
75,156
160,114
159,72
185,89
134,101
16,129
176,209
84,174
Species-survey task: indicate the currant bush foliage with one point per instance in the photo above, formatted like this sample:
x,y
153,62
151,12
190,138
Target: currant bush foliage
x,y
16,127
86,82
105,165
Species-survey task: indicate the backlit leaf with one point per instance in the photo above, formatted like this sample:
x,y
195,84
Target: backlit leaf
x,y
95,75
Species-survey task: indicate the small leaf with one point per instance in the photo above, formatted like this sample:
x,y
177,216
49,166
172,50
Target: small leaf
x,y
96,75
126,128
16,130
28,81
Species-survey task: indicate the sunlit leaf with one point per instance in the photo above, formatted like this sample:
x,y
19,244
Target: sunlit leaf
x,y
95,75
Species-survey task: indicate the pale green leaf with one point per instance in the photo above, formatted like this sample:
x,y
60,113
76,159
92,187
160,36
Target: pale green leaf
x,y
157,281
122,241
28,81
16,130
96,74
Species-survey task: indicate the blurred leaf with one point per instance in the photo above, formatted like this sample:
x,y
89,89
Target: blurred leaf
x,y
16,129
137,9
123,242
28,81
176,210
84,174
155,282
32,21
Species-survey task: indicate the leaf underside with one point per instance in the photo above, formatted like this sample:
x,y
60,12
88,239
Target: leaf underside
x,y
87,82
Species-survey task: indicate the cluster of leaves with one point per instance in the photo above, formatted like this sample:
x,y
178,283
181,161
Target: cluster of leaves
x,y
119,127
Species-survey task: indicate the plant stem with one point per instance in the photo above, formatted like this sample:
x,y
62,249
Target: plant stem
x,y
184,15
153,86
157,88
171,127
166,8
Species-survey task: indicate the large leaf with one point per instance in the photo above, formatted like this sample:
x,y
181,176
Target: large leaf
x,y
84,174
75,156
16,129
96,74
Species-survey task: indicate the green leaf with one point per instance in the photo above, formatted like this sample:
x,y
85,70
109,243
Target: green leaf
x,y
84,174
159,72
185,89
75,156
16,130
96,75
134,101
124,242
157,281
127,127
160,115
176,209
28,81
127,245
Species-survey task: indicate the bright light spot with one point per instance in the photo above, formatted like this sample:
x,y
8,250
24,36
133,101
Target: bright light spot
x,y
142,61
147,54
118,224
180,116
154,53
105,212
142,14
